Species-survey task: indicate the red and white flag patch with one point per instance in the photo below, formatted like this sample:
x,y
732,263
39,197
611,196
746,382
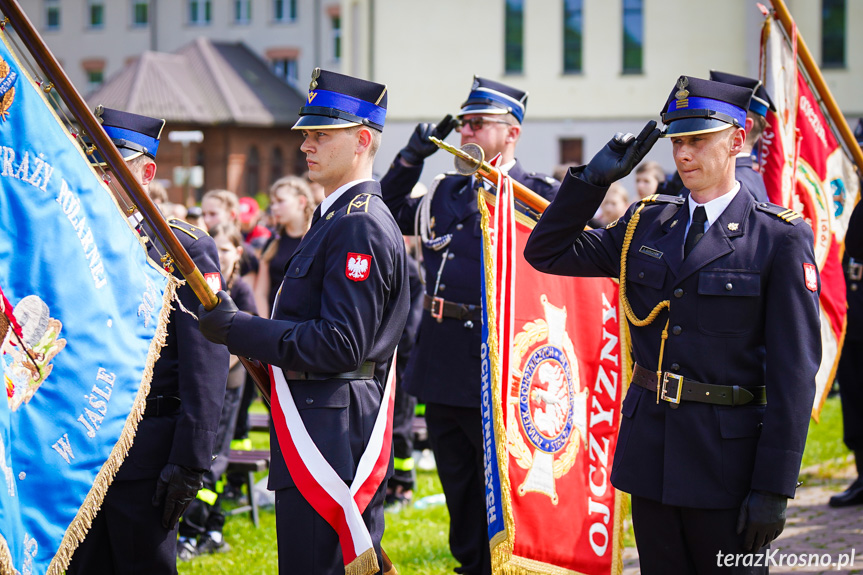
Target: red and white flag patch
x,y
214,280
358,266
810,274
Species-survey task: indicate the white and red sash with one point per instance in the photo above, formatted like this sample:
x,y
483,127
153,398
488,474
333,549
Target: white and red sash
x,y
341,506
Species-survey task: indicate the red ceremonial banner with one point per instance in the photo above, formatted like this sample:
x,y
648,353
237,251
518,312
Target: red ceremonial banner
x,y
806,170
557,384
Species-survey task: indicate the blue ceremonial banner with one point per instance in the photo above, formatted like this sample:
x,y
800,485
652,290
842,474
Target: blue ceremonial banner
x,y
83,319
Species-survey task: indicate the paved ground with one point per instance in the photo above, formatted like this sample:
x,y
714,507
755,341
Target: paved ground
x,y
812,527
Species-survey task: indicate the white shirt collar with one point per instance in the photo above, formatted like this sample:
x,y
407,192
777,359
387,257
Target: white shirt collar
x,y
714,207
331,199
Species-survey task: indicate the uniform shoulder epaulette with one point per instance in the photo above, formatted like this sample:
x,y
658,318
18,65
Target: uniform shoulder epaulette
x,y
662,199
785,214
193,231
545,178
360,203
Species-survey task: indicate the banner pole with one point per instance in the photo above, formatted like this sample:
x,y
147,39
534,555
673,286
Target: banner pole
x,y
782,14
59,81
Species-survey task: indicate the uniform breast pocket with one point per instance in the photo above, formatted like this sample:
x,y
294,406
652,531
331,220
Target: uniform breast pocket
x,y
297,286
645,278
728,302
646,272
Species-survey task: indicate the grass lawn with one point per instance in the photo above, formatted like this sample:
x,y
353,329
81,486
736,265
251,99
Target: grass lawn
x,y
416,539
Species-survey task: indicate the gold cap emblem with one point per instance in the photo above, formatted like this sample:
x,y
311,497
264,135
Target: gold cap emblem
x,y
316,73
98,113
682,92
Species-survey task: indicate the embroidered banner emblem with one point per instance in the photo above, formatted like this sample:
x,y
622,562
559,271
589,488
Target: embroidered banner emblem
x,y
358,266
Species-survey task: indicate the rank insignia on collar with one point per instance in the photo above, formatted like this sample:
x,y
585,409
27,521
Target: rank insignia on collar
x,y
330,215
674,223
612,224
733,226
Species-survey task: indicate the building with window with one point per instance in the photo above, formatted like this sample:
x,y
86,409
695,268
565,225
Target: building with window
x,y
228,93
293,36
592,67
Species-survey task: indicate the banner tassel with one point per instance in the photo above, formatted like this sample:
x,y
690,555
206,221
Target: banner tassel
x,y
366,563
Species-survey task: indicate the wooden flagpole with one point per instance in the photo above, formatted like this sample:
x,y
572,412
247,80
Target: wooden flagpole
x,y
782,14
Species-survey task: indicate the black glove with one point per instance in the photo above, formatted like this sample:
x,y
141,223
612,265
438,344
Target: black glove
x,y
216,323
762,515
620,156
419,146
176,488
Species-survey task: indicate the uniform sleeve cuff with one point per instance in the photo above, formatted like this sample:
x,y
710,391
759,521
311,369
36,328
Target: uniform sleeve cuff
x,y
776,471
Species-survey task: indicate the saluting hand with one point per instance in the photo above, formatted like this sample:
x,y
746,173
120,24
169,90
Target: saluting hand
x,y
619,156
762,515
176,488
419,146
216,323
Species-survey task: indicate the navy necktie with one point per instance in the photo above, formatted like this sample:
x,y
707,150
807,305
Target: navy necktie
x,y
316,216
696,230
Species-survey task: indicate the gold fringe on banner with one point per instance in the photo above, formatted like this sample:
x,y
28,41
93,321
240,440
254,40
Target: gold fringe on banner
x,y
6,565
77,530
366,563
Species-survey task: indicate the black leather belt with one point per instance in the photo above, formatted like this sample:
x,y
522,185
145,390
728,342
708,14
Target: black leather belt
x,y
365,371
676,388
162,405
440,308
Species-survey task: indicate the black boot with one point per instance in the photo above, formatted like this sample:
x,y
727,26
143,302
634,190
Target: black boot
x,y
854,494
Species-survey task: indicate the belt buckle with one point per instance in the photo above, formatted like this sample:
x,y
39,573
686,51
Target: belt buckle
x,y
437,308
674,395
855,270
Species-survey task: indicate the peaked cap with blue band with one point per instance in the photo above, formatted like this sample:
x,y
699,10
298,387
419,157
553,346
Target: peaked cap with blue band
x,y
133,134
697,106
339,101
760,102
490,97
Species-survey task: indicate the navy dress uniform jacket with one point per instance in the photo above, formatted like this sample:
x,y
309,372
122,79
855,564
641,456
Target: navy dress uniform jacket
x,y
751,180
189,367
741,314
445,363
326,322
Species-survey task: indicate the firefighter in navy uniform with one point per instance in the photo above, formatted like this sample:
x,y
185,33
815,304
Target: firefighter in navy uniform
x,y
756,120
721,295
135,530
335,326
850,369
444,368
